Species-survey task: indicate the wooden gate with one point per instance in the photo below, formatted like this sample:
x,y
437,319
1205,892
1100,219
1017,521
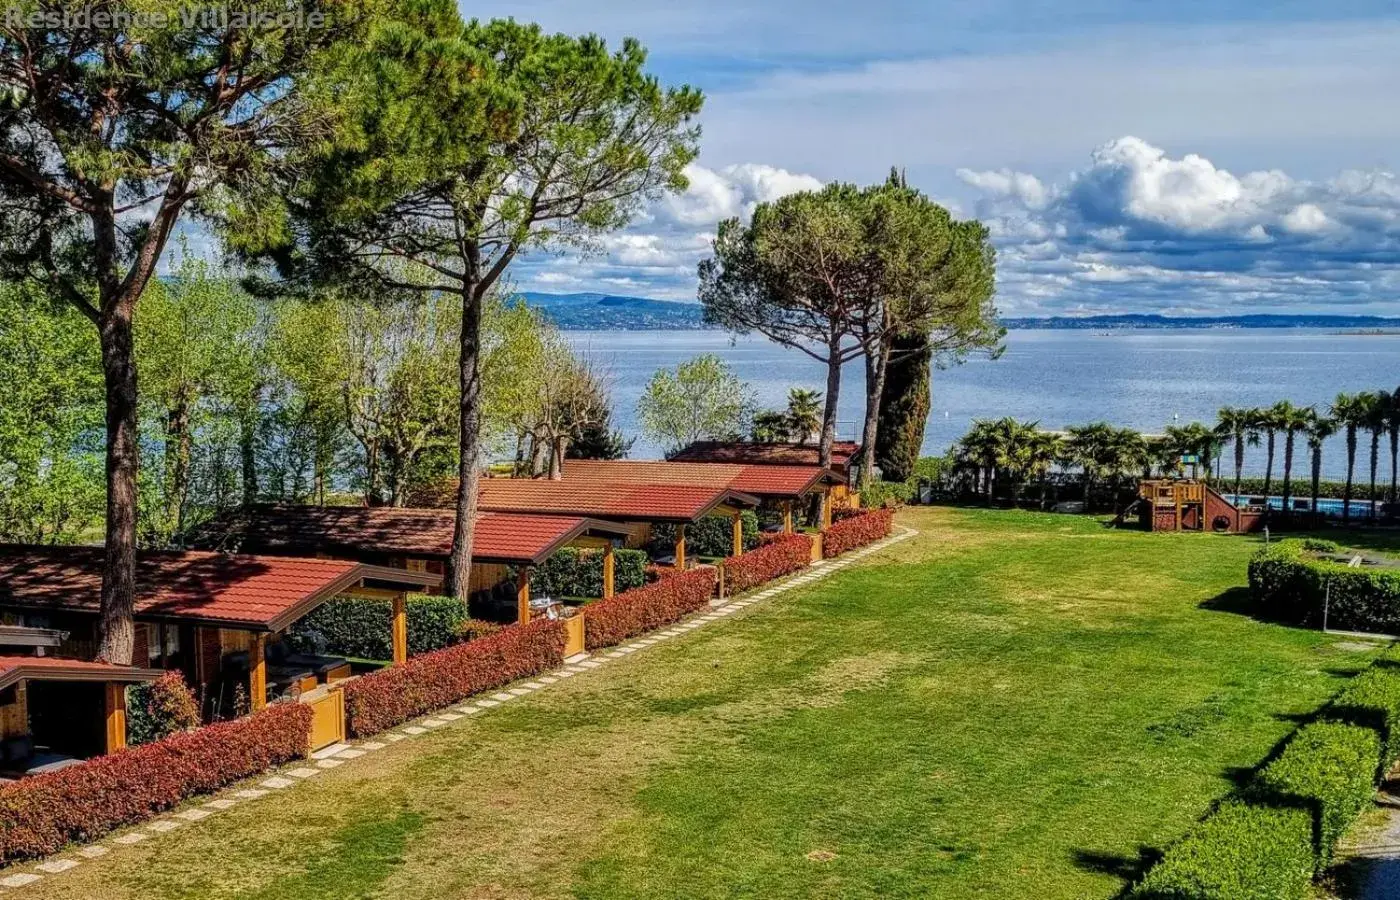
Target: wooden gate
x,y
327,718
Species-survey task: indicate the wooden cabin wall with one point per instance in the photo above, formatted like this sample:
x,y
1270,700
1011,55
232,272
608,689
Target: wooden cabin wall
x,y
14,715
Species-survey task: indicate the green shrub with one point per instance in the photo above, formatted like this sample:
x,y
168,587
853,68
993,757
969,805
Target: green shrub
x,y
1330,769
888,493
361,626
1288,583
573,572
1372,700
158,709
1239,852
711,536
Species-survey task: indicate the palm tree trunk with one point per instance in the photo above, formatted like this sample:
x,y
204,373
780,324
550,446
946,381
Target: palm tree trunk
x,y
1316,478
1269,466
1375,458
1351,472
1239,461
1287,470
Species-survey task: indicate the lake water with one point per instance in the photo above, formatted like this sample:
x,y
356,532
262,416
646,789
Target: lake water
x,y
1145,379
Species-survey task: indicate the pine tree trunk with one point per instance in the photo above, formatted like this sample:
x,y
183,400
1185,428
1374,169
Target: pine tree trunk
x,y
469,443
876,368
118,597
177,462
833,398
248,449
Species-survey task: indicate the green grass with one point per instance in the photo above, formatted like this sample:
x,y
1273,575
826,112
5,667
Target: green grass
x,y
1009,705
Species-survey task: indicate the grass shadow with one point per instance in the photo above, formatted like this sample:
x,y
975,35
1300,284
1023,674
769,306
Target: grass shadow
x,y
1238,602
1130,869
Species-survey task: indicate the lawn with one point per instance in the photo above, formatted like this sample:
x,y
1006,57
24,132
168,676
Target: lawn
x,y
1009,705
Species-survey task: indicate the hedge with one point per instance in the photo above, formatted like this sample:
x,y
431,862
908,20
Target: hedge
x,y
782,555
1330,768
711,536
361,626
1288,583
856,531
1372,700
435,680
572,572
41,814
644,609
1325,776
1239,852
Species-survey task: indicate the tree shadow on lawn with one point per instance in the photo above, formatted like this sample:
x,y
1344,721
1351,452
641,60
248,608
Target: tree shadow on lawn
x,y
1238,601
1119,865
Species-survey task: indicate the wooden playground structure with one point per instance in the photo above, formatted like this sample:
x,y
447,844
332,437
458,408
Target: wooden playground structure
x,y
1185,504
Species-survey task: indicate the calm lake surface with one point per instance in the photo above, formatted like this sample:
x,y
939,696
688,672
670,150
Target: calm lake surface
x,y
1145,379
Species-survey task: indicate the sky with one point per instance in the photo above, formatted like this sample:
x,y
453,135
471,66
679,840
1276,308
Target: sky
x,y
1185,158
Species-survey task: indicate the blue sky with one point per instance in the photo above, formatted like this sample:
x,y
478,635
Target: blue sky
x,y
1183,157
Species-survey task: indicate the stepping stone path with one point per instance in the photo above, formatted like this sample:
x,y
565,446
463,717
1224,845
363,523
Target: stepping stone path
x,y
1387,874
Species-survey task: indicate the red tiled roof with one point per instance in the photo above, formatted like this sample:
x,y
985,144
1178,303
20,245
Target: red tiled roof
x,y
766,454
357,531
49,668
237,591
640,502
760,480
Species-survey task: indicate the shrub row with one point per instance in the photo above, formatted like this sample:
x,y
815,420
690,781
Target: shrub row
x,y
434,680
774,558
851,532
1287,582
644,609
362,626
41,814
1270,839
572,572
711,536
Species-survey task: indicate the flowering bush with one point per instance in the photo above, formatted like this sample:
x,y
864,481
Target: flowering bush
x,y
644,609
856,531
779,556
434,680
41,814
160,708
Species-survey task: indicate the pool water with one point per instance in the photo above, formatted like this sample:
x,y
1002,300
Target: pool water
x,y
1360,509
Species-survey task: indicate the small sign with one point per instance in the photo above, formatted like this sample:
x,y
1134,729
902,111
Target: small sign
x,y
1189,459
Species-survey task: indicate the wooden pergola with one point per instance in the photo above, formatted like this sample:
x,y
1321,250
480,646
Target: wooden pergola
x,y
419,540
227,603
16,671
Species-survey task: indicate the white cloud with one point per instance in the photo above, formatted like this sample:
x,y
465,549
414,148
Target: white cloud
x,y
1138,228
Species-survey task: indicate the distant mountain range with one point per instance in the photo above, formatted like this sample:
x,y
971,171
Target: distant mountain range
x,y
602,312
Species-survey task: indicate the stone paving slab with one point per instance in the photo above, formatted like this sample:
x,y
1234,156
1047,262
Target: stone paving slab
x,y
371,745
161,826
302,772
414,731
55,866
19,879
277,783
194,815
131,837
330,763
251,793
93,851
221,804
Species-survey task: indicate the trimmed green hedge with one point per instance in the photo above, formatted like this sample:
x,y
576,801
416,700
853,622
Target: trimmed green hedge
x,y
711,536
1239,852
1372,700
1330,767
574,572
1269,840
1288,583
360,626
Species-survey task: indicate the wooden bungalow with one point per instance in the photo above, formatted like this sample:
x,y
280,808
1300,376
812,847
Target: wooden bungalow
x,y
774,453
638,505
53,710
783,486
215,617
419,540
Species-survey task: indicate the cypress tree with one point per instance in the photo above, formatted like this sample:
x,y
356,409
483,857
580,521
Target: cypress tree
x,y
904,407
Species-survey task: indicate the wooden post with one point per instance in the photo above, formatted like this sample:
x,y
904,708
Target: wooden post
x,y
522,595
826,510
680,546
738,534
609,571
787,517
116,716
400,628
257,672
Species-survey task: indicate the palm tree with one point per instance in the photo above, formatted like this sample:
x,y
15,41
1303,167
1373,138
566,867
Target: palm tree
x,y
1194,439
1349,412
1239,426
1267,420
1087,447
1376,421
1290,420
1045,449
1393,424
1319,429
978,450
804,413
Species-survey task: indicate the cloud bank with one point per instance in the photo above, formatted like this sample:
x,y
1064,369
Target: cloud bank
x,y
1139,230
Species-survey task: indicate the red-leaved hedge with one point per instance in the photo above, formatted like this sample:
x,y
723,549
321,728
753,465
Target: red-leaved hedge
x,y
431,681
630,613
779,556
41,814
856,531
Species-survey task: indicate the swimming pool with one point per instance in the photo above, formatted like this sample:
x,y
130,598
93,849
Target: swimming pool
x,y
1360,509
